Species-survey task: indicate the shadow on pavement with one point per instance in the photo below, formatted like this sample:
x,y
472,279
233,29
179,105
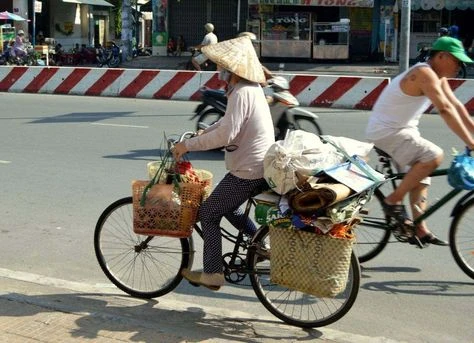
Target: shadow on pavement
x,y
154,155
97,315
434,287
80,117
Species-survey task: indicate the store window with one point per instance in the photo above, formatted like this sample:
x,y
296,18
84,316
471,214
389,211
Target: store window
x,y
426,21
286,26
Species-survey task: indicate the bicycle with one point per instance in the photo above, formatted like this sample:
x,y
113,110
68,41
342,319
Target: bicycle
x,y
150,266
373,233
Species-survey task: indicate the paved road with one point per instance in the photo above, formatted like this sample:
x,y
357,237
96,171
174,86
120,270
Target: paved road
x,y
65,158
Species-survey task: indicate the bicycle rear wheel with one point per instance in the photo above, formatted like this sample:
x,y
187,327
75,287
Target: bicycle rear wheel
x,y
294,307
461,238
373,233
142,266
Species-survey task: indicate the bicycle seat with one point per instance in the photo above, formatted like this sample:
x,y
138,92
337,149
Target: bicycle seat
x,y
260,190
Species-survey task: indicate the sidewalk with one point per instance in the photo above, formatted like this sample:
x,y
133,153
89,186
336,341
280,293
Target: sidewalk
x,y
35,308
341,68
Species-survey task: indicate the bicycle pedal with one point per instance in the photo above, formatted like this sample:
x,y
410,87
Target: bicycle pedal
x,y
414,240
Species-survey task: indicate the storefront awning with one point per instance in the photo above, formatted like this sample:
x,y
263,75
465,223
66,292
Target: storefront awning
x,y
440,4
329,3
90,2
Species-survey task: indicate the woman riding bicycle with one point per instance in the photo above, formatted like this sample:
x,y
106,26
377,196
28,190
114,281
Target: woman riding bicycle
x,y
393,127
246,132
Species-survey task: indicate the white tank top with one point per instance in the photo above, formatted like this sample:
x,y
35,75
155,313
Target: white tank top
x,y
395,110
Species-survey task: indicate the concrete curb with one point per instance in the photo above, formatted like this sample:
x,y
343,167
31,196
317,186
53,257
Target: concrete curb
x,y
355,92
332,91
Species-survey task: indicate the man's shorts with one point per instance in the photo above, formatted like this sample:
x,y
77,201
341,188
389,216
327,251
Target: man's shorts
x,y
407,147
201,58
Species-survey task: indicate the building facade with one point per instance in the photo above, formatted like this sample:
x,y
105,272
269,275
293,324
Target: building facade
x,y
309,29
367,29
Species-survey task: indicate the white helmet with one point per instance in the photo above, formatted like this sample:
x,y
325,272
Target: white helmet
x,y
280,82
209,27
21,32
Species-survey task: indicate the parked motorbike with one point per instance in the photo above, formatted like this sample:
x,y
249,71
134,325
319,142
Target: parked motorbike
x,y
11,57
207,66
111,57
284,108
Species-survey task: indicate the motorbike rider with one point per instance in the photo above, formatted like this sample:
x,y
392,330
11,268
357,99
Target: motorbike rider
x,y
19,48
443,31
209,38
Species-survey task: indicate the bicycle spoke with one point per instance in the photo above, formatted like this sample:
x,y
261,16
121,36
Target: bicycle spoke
x,y
461,238
294,307
139,265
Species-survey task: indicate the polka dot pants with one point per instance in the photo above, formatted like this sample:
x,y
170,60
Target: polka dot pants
x,y
224,201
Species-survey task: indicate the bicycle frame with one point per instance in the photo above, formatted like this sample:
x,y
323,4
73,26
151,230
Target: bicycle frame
x,y
437,204
236,239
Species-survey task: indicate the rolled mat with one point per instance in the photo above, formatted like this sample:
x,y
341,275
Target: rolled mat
x,y
317,195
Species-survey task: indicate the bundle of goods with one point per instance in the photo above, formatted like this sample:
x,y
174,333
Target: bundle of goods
x,y
188,174
323,189
168,204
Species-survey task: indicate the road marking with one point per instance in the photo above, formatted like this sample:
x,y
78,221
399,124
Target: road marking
x,y
122,125
5,162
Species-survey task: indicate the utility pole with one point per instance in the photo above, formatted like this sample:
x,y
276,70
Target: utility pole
x,y
405,35
127,30
137,26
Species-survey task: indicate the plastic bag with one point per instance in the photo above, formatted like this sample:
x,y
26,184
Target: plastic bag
x,y
461,171
303,154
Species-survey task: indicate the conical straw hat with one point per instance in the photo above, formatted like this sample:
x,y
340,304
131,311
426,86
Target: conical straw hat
x,y
238,56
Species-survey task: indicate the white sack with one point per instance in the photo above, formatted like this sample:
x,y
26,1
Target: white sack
x,y
303,152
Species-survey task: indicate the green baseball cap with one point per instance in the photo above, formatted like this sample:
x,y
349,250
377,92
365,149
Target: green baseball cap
x,y
453,46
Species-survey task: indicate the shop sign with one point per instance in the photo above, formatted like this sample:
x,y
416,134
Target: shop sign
x,y
285,20
38,6
339,3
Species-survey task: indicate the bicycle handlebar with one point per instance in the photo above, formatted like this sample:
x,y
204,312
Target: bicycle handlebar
x,y
185,135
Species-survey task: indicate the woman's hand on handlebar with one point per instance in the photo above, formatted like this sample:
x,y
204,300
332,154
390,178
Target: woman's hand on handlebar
x,y
179,150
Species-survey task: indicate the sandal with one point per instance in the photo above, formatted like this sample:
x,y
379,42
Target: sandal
x,y
202,279
432,239
397,212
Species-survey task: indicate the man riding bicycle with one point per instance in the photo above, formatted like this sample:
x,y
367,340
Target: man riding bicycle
x,y
393,127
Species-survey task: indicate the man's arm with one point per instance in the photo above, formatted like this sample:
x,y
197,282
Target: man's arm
x,y
463,113
434,89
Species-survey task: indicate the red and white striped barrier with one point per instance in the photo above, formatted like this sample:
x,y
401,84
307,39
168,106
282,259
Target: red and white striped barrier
x,y
353,92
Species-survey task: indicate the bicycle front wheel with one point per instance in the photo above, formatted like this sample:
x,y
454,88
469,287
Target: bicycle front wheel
x,y
142,266
372,234
461,238
294,307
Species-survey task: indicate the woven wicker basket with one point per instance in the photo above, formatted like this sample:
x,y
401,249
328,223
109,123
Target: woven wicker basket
x,y
308,262
167,211
205,180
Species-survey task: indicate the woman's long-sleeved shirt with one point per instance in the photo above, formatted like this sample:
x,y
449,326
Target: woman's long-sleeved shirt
x,y
246,130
